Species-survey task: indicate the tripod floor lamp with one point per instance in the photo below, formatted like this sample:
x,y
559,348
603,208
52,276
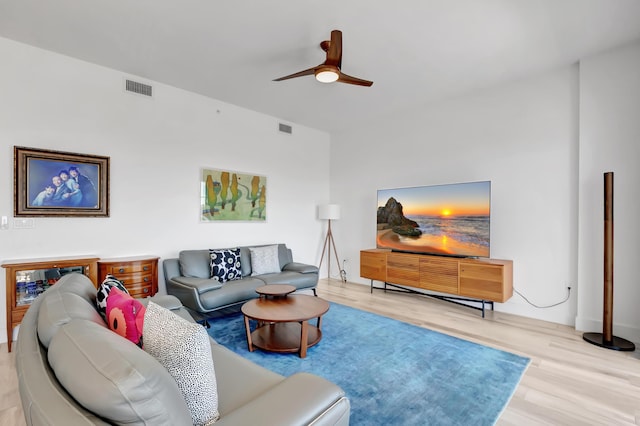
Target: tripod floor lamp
x,y
330,212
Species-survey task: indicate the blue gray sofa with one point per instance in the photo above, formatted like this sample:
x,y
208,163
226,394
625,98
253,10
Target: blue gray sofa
x,y
188,277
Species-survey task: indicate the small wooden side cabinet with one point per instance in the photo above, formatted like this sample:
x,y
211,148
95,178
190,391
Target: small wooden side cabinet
x,y
139,274
27,278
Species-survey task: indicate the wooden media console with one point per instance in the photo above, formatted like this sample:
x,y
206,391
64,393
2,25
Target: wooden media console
x,y
484,281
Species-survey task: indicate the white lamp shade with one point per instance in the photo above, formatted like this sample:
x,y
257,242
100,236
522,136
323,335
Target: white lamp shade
x,y
329,211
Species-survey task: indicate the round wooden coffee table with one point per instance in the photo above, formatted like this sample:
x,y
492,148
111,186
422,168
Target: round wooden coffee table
x,y
275,290
283,323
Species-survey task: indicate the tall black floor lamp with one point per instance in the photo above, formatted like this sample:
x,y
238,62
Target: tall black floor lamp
x,y
330,212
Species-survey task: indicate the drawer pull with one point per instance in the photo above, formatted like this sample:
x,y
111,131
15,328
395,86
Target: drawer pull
x,y
146,290
145,268
146,279
122,281
121,270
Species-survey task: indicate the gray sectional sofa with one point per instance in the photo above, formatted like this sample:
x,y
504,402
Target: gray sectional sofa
x,y
62,339
188,277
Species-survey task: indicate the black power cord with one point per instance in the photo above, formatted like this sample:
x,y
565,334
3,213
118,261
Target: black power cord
x,y
544,307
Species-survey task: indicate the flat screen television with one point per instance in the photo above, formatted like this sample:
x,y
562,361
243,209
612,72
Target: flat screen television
x,y
448,220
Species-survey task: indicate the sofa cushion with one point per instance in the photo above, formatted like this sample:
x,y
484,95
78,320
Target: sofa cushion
x,y
103,292
240,381
59,307
225,265
232,293
183,348
264,260
194,263
76,283
113,378
125,315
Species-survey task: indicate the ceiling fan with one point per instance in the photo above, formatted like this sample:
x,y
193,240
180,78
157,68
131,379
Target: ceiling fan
x,y
329,71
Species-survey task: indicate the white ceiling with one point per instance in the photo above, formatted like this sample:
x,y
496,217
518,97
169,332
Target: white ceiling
x,y
415,51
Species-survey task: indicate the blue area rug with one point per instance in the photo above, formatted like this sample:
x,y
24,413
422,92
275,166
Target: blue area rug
x,y
395,373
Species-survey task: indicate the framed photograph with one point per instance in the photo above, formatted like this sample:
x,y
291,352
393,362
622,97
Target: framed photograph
x,y
229,195
54,183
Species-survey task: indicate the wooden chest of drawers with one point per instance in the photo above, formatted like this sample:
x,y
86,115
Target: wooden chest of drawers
x,y
139,274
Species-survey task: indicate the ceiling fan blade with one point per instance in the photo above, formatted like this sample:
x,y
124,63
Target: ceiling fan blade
x,y
344,78
310,71
334,54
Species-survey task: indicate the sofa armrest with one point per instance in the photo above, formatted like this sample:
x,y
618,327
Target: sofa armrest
x,y
201,285
303,268
187,294
165,300
169,302
171,268
300,399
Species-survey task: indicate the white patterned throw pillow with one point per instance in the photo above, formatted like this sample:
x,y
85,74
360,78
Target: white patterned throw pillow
x,y
264,260
225,265
183,348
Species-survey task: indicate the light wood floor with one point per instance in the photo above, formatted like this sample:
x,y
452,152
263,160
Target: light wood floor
x,y
569,382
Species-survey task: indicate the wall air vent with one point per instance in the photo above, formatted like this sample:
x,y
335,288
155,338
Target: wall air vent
x,y
285,128
139,88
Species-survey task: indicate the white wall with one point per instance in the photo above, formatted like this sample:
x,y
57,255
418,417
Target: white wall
x,y
522,136
157,147
545,143
610,142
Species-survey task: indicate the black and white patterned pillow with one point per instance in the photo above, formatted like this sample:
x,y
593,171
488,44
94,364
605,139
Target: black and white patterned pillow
x,y
225,265
103,292
184,349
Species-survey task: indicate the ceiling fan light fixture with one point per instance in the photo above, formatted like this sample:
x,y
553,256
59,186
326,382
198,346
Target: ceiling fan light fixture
x,y
326,75
329,71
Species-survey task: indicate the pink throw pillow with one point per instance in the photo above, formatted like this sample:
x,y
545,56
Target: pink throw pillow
x,y
125,315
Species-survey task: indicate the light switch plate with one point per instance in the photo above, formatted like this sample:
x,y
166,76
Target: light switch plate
x,y
4,224
24,223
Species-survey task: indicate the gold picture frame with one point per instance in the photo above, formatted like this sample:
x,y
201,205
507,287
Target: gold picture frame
x,y
55,183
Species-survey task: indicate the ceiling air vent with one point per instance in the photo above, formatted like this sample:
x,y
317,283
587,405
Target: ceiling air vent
x,y
139,88
285,128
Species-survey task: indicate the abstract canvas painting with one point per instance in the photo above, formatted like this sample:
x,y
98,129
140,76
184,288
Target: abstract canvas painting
x,y
231,195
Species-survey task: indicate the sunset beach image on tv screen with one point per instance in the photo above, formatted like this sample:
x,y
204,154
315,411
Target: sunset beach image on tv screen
x,y
450,219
